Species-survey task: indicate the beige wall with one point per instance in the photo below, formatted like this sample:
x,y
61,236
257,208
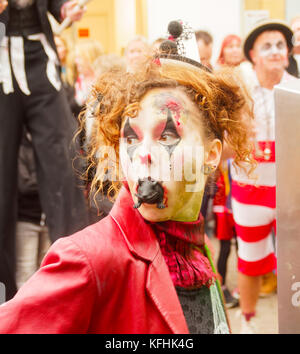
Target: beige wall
x,y
112,22
276,8
100,21
125,13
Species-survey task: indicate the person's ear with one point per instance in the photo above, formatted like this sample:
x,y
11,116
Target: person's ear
x,y
213,153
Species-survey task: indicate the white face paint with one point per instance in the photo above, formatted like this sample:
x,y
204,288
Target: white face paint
x,y
270,52
269,49
165,141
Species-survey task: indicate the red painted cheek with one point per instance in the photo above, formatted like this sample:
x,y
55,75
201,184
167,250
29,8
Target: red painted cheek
x,y
137,131
158,130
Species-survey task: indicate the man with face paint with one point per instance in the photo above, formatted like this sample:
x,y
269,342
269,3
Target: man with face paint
x,y
253,201
145,268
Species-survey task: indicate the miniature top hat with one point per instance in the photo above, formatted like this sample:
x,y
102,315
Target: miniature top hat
x,y
267,25
180,49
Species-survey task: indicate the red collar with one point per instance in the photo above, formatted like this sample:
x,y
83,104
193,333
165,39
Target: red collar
x,y
187,267
140,238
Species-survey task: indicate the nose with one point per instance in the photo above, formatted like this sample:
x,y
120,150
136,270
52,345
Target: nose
x,y
274,50
145,159
145,150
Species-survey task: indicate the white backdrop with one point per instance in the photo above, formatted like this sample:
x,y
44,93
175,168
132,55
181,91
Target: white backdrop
x,y
292,9
219,17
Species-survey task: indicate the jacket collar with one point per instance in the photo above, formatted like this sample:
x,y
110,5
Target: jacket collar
x,y
143,243
139,237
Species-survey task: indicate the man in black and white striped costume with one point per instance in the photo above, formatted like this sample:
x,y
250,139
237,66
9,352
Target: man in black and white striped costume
x,y
31,95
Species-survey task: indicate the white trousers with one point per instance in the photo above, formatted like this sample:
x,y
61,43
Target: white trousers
x,y
32,243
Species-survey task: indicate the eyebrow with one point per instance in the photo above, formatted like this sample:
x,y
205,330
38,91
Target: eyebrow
x,y
128,130
278,42
170,126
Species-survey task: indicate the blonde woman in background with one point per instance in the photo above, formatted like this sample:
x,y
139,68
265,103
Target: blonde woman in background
x,y
68,72
136,53
102,64
66,58
86,53
105,63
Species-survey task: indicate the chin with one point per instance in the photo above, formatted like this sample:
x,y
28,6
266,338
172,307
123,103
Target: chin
x,y
276,65
151,213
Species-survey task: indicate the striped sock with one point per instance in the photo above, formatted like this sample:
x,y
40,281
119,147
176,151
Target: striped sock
x,y
249,315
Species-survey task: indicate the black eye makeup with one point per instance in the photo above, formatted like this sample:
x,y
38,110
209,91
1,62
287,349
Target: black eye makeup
x,y
131,138
266,46
280,45
169,137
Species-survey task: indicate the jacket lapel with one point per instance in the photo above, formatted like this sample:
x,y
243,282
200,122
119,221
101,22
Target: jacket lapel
x,y
139,237
162,291
41,6
143,243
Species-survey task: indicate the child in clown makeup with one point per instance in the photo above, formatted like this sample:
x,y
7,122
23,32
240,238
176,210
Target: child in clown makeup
x,y
145,268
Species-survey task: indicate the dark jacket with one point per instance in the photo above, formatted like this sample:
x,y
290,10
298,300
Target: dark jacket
x,y
29,206
43,6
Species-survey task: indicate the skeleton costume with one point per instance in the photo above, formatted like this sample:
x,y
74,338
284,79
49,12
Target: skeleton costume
x,y
31,94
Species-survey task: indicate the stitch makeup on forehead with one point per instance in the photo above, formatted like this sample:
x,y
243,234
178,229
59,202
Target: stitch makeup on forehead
x,y
166,102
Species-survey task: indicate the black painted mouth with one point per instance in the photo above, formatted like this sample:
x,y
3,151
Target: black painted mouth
x,y
152,199
151,192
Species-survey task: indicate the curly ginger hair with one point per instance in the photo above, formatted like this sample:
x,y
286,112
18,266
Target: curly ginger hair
x,y
224,104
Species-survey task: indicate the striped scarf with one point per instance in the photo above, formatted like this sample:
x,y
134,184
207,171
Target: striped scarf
x,y
188,266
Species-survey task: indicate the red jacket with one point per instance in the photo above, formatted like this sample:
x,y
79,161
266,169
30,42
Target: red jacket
x,y
108,278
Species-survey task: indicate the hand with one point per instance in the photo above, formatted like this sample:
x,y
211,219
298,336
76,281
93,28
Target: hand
x,y
73,11
3,4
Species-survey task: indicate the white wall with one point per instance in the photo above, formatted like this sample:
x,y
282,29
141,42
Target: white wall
x,y
125,22
219,17
292,9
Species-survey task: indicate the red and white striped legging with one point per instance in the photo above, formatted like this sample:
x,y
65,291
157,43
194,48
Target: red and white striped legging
x,y
253,207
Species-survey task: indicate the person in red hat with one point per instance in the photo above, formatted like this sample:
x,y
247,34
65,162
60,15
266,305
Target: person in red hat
x,y
267,46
